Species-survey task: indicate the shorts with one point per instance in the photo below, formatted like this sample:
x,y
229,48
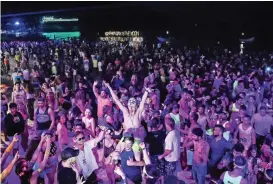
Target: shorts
x,y
169,168
159,164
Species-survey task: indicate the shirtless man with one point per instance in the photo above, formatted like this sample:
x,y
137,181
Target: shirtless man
x,y
132,120
200,156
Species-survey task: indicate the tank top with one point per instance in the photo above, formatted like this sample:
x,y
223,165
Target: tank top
x,y
234,108
43,120
231,180
108,151
245,135
95,63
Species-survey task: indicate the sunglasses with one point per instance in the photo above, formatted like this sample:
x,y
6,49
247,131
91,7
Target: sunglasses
x,y
81,138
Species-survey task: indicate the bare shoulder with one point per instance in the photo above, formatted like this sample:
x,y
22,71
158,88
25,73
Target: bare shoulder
x,y
243,181
205,144
50,110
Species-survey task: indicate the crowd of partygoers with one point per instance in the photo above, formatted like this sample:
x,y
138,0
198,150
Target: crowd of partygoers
x,y
158,115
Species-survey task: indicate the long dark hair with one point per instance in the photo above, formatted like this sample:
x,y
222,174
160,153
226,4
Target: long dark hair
x,y
29,88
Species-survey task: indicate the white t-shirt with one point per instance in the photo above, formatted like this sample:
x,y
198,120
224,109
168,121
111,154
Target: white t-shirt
x,y
13,76
86,65
90,163
81,54
100,66
172,142
26,75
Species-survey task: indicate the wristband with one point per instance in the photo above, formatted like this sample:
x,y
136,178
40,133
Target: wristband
x,y
8,150
47,153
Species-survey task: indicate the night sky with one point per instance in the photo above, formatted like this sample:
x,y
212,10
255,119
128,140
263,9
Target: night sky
x,y
223,21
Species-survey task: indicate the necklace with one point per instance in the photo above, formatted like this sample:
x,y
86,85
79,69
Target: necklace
x,y
132,120
83,156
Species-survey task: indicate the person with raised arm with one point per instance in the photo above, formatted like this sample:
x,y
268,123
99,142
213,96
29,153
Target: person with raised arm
x,y
25,170
4,157
4,174
132,120
8,150
102,101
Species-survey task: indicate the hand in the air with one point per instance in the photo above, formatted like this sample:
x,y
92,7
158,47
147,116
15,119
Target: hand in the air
x,y
15,138
16,157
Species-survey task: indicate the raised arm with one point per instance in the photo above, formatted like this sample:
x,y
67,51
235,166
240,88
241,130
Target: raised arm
x,y
143,100
6,171
36,173
95,90
8,150
99,137
93,142
146,157
12,97
52,118
37,151
115,98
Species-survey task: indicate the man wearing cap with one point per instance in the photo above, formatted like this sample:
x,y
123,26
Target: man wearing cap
x,y
67,173
235,176
268,176
130,167
132,120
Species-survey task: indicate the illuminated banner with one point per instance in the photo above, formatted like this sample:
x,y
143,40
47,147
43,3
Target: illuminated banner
x,y
52,19
123,33
121,39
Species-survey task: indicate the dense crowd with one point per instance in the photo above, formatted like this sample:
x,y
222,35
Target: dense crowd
x,y
160,115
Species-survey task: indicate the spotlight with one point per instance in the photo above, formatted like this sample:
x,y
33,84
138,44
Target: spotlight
x,y
17,23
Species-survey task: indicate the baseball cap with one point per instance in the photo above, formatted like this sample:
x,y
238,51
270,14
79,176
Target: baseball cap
x,y
128,136
69,153
269,174
240,162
